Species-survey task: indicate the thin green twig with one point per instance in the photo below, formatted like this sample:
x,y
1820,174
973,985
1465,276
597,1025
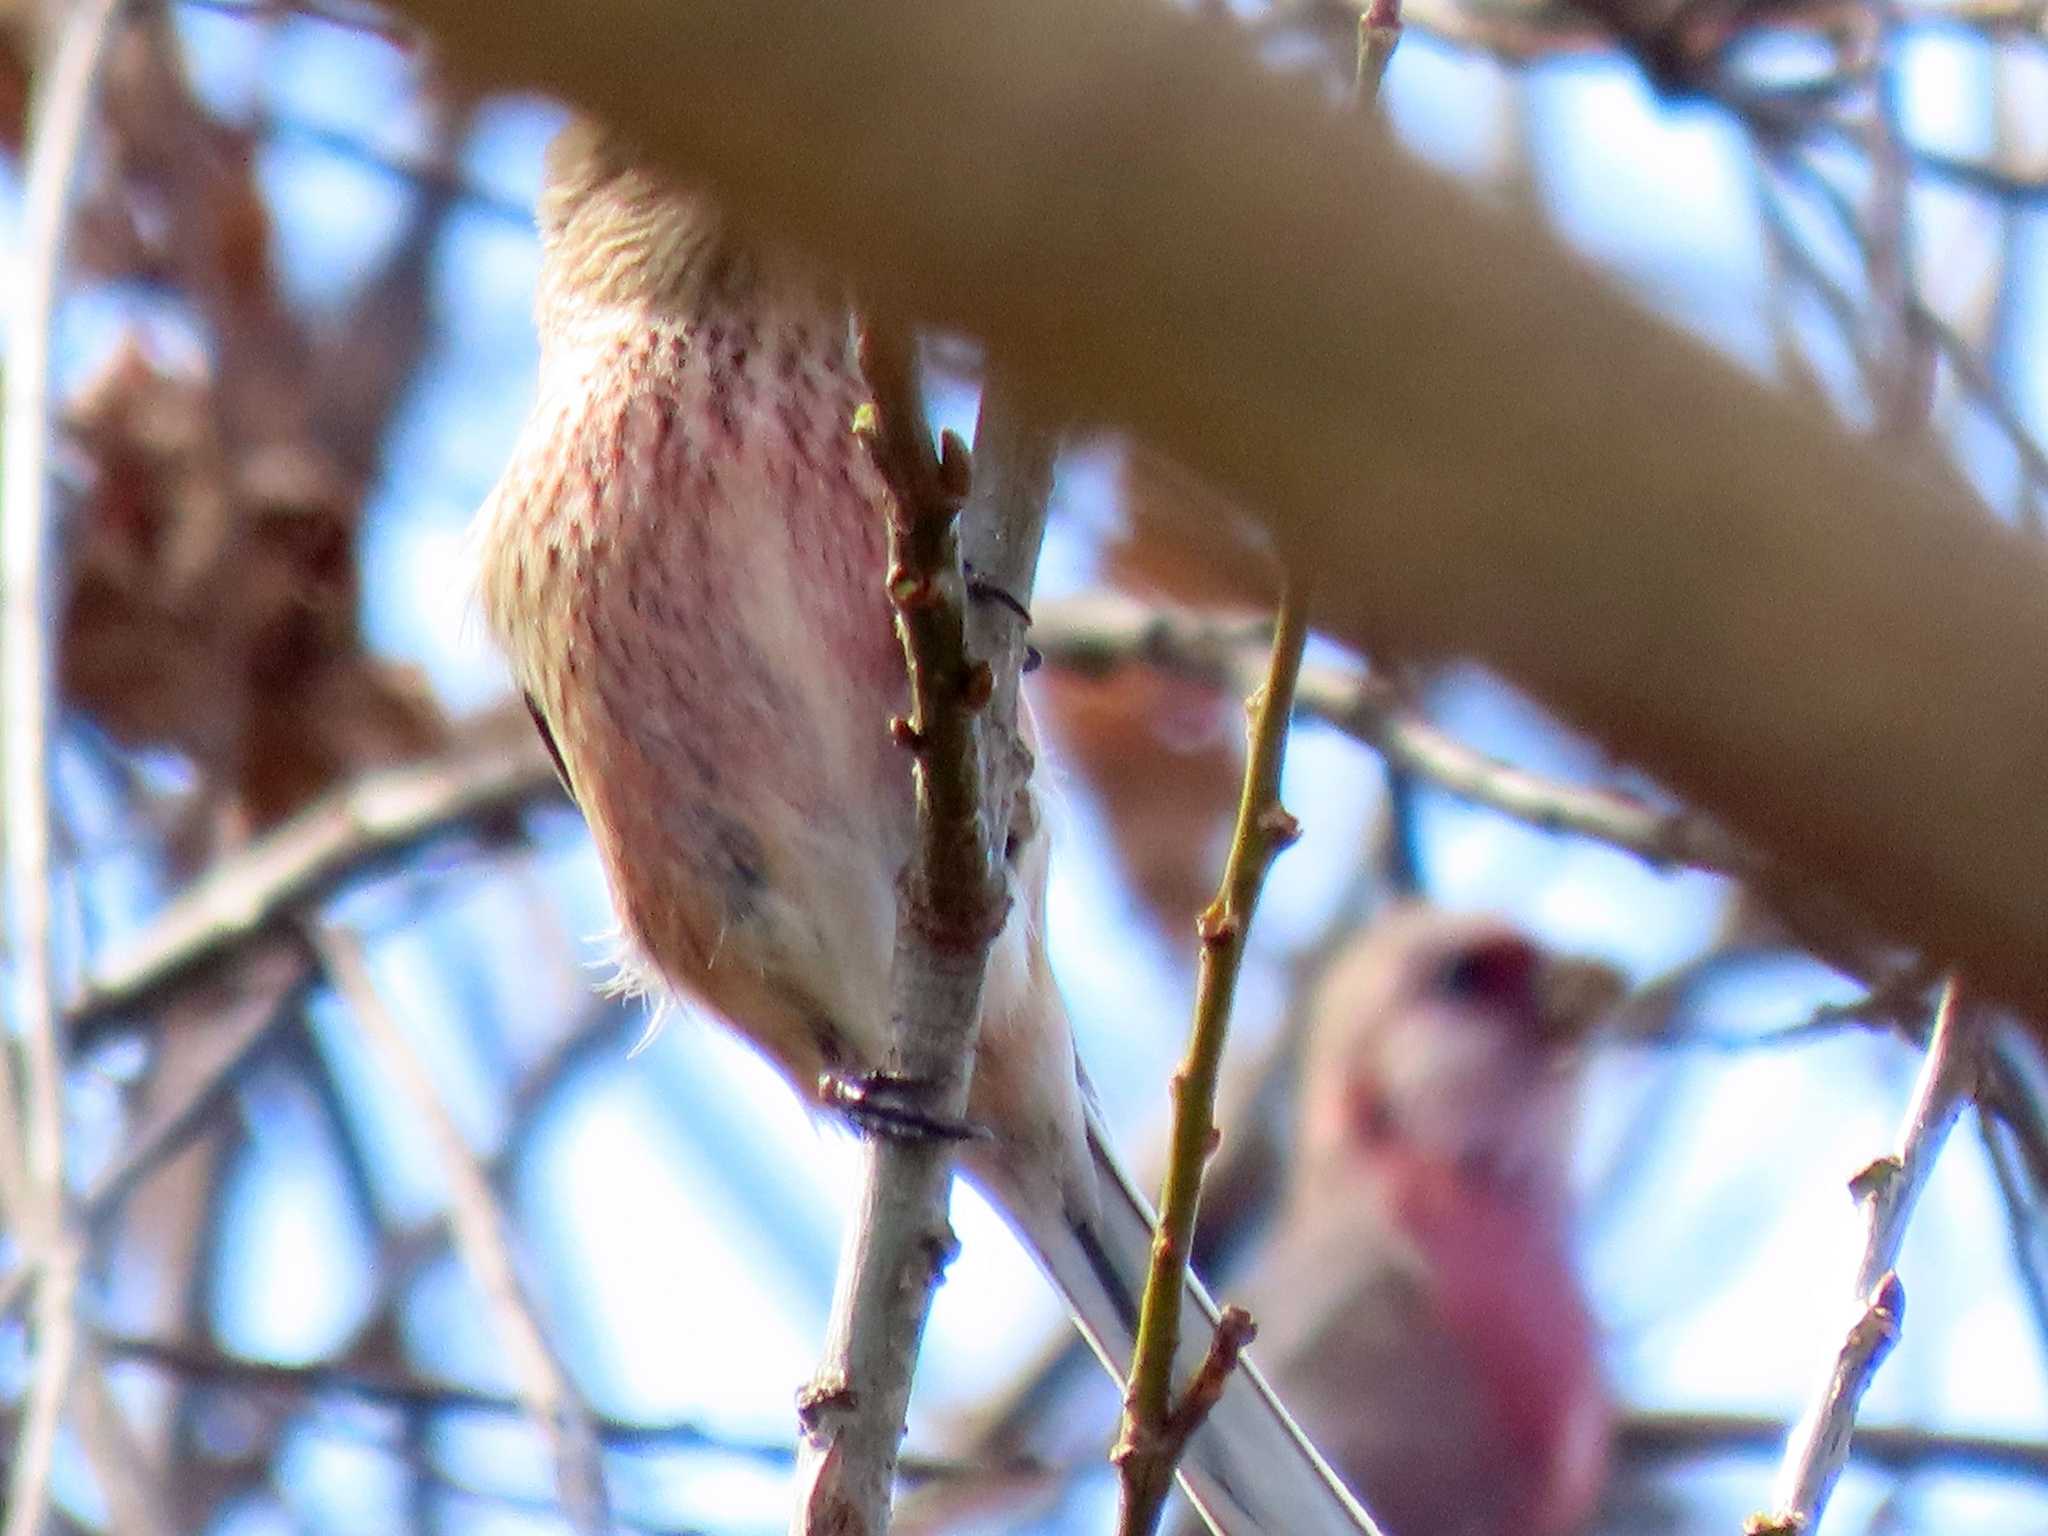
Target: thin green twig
x,y
1155,1426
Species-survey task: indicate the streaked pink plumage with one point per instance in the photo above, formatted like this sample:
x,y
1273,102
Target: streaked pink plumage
x,y
684,562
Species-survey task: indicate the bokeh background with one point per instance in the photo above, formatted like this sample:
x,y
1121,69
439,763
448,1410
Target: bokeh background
x,y
369,1166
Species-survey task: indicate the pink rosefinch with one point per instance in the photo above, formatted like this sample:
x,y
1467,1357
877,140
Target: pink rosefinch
x,y
684,561
1417,1305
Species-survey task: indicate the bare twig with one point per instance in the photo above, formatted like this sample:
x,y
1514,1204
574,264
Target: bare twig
x,y
1100,632
1924,324
135,1505
953,899
2005,1091
1903,393
1687,1437
381,816
2023,1223
1653,1014
266,984
56,1337
32,1190
1818,1447
1155,1426
1237,1187
415,1245
420,1394
430,173
1533,34
553,1402
1644,1438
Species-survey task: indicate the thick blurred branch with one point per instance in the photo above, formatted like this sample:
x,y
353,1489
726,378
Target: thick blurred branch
x,y
1356,348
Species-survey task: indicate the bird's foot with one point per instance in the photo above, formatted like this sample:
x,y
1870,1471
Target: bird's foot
x,y
887,1104
981,591
984,591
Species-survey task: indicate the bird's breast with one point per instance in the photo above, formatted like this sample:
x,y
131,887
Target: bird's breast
x,y
1505,1287
685,561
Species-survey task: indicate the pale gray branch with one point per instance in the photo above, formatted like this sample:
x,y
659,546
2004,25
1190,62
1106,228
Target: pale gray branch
x,y
952,900
135,1504
1099,632
1818,1447
556,1407
1686,1437
425,1394
33,1199
260,996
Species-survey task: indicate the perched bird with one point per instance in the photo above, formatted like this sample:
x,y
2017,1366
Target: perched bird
x,y
684,562
1417,1304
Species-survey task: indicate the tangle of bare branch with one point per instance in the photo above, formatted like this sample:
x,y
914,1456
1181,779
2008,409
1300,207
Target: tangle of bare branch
x,y
495,770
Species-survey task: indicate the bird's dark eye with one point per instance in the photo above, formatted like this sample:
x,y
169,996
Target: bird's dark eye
x,y
1499,971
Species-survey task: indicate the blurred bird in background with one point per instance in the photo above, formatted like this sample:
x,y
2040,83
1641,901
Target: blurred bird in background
x,y
684,561
1417,1304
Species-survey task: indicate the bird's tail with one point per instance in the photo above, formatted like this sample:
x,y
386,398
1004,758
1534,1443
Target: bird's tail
x,y
1249,1468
